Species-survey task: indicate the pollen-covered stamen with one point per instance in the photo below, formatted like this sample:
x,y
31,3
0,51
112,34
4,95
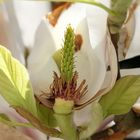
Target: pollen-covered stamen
x,y
67,90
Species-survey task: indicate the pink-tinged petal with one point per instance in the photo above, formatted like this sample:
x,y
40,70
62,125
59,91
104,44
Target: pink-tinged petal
x,y
134,46
3,38
33,133
40,62
9,39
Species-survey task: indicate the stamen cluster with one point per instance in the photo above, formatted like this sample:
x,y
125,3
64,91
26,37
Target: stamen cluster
x,y
67,90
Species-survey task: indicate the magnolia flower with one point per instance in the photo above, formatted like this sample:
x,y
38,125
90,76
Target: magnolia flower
x,y
94,54
91,61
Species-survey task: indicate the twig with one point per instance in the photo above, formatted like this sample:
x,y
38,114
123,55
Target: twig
x,y
105,133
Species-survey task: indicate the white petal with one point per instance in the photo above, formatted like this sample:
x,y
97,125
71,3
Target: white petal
x,y
42,78
71,16
97,24
26,15
91,60
40,62
88,64
111,75
10,40
82,116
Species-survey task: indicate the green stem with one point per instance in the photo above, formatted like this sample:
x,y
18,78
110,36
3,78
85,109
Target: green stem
x,y
66,125
92,2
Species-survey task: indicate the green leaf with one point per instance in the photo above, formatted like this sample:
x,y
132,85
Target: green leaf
x,y
95,122
46,116
15,86
120,7
122,97
5,119
37,123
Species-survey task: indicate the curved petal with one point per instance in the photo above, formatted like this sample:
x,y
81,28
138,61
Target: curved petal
x,y
71,16
111,75
27,16
91,60
108,83
41,79
3,38
40,62
98,37
10,41
87,63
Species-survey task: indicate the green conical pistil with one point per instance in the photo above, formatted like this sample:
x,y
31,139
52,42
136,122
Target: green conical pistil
x,y
67,62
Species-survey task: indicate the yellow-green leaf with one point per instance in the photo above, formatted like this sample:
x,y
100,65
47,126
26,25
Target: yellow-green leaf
x,y
122,97
5,119
46,116
15,86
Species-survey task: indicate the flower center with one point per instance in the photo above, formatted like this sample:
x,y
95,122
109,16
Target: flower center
x,y
65,86
67,90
